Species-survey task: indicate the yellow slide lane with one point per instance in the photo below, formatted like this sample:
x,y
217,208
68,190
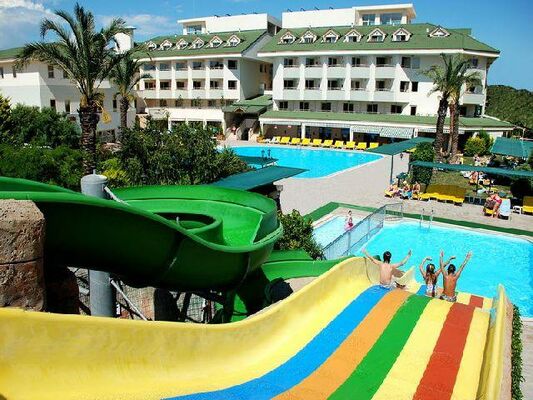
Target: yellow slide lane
x,y
51,356
402,380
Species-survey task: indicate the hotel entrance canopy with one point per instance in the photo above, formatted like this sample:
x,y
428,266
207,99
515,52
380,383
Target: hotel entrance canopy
x,y
512,147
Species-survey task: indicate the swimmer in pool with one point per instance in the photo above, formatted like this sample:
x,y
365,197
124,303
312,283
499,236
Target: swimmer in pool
x,y
430,277
387,271
451,276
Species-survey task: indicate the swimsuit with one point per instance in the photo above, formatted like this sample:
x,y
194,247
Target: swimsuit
x,y
431,289
448,298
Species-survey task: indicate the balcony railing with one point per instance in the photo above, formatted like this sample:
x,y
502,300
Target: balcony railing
x,y
290,88
312,88
359,89
291,66
384,65
360,65
383,89
198,68
313,65
335,65
216,66
335,88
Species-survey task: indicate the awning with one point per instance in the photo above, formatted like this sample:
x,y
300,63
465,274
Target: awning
x,y
366,129
397,132
399,147
327,125
292,123
258,177
461,167
512,147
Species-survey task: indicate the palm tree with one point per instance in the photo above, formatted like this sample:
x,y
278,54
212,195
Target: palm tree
x,y
87,57
461,80
125,76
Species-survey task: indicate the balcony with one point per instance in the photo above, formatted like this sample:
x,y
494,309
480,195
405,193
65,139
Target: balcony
x,y
182,73
314,71
291,71
291,94
337,93
198,73
385,71
149,94
167,74
217,73
384,95
473,98
361,72
182,92
313,93
337,71
359,95
215,93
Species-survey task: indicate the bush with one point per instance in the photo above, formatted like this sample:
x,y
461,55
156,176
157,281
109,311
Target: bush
x,y
474,145
298,234
423,152
487,141
521,187
116,176
516,356
61,166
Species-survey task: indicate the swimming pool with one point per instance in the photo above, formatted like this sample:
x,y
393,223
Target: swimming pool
x,y
496,258
330,230
318,162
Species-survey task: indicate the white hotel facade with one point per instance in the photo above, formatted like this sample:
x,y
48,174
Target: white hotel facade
x,y
336,73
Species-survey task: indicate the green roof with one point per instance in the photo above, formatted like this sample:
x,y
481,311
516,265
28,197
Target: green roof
x,y
481,122
251,106
399,147
258,177
420,40
247,39
512,147
8,54
463,167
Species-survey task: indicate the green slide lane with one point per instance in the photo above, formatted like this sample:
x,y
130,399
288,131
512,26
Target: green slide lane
x,y
176,237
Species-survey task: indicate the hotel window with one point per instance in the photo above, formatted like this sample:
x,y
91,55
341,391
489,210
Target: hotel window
x,y
194,29
232,85
356,61
325,107
333,61
310,84
372,108
1,72
233,41
304,106
181,85
414,86
14,70
406,62
149,85
53,103
196,85
376,38
289,84
114,105
413,110
330,38
164,85
181,66
216,65
356,85
311,62
149,67
391,19
164,67
380,85
214,84
395,109
232,64
348,107
415,62
67,106
334,84
283,105
383,62
404,86
197,65
474,62
288,62
211,103
51,71
369,19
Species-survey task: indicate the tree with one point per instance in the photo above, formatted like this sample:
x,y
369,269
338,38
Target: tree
x,y
423,152
125,76
5,116
298,234
510,104
87,57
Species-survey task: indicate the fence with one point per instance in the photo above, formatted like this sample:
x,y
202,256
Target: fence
x,y
352,240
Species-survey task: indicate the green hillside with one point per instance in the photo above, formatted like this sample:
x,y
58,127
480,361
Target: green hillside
x,y
510,104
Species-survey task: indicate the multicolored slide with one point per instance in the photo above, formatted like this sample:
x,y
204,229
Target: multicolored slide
x,y
339,337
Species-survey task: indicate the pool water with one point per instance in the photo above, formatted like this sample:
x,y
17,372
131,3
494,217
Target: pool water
x,y
318,162
496,258
331,230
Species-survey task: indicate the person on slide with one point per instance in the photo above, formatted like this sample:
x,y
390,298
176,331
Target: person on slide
x,y
430,277
388,271
450,277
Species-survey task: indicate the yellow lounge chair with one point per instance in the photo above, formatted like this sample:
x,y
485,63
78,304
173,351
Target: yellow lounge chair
x,y
350,145
316,142
339,144
306,142
285,140
361,146
296,140
373,145
527,205
327,143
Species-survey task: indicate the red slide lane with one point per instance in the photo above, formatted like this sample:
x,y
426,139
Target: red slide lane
x,y
476,301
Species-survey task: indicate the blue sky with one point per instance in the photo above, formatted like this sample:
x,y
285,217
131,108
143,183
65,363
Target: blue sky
x,y
506,25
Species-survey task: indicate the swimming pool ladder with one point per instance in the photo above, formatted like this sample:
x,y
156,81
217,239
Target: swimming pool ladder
x,y
428,216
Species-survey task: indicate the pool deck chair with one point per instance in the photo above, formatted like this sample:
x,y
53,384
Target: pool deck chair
x,y
306,142
361,146
316,143
285,140
373,145
327,143
275,139
527,206
504,211
339,144
350,145
295,140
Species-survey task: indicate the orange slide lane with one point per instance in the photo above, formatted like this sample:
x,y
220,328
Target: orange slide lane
x,y
476,301
341,364
441,372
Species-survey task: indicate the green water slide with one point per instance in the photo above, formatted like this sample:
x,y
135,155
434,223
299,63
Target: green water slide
x,y
187,238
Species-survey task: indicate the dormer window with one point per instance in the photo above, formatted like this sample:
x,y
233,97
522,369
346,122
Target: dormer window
x,y
353,36
166,45
151,46
215,42
330,37
439,32
182,44
197,43
308,37
287,38
233,41
401,35
376,36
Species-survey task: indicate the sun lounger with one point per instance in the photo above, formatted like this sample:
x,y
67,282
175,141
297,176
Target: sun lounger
x,y
316,142
527,206
306,142
339,144
446,193
327,143
275,139
285,140
373,145
350,145
361,146
296,140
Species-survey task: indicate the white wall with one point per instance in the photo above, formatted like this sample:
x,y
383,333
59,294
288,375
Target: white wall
x,y
318,18
232,23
